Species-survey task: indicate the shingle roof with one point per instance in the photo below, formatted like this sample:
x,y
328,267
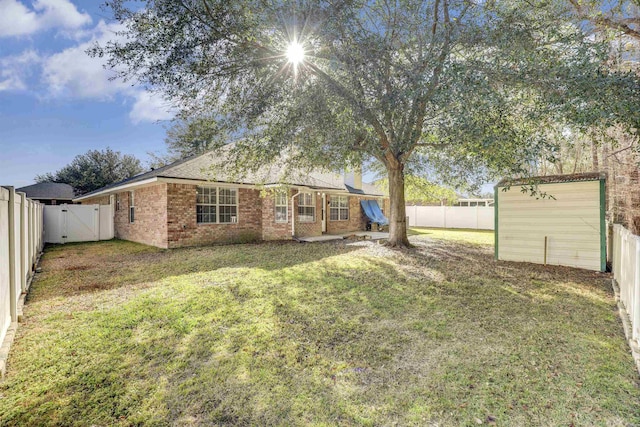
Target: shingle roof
x,y
552,179
48,190
200,168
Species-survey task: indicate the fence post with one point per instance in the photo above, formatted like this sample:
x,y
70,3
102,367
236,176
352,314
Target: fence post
x,y
41,222
635,322
444,216
29,238
32,237
23,243
13,304
623,279
477,217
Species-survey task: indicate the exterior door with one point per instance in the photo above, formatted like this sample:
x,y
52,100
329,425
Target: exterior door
x,y
324,213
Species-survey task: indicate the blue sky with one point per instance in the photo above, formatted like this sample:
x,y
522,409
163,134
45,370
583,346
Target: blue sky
x,y
55,101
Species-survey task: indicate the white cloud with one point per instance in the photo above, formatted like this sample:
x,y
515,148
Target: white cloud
x,y
72,73
16,19
150,107
15,69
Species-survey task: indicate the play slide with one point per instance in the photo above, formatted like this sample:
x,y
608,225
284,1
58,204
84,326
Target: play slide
x,y
373,212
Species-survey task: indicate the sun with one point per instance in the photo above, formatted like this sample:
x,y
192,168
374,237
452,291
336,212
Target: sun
x,y
295,53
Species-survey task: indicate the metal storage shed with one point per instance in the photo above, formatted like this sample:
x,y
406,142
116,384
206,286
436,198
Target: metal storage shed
x,y
567,227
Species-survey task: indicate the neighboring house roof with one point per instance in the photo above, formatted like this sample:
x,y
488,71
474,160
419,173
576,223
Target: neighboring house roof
x,y
552,179
201,168
49,191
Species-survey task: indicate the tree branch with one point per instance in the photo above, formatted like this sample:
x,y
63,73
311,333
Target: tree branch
x,y
616,25
620,151
367,114
419,112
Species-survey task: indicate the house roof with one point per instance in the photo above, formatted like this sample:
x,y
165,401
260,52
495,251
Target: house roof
x,y
48,190
202,168
552,179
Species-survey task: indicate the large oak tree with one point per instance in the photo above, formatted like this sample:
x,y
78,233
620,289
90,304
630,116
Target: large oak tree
x,y
459,87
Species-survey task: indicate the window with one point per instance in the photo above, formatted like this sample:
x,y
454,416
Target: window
x,y
306,207
227,204
381,204
281,201
339,208
132,207
206,209
216,205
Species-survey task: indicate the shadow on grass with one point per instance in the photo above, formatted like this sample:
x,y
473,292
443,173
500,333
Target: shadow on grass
x,y
249,336
77,268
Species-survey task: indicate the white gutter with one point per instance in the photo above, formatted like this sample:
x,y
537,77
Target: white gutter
x,y
120,187
205,182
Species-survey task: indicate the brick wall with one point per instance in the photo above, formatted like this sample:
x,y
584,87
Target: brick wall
x,y
357,219
356,222
150,222
165,216
183,229
309,229
100,200
272,230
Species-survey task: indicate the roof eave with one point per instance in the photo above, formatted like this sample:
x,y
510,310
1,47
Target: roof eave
x,y
553,179
117,188
156,179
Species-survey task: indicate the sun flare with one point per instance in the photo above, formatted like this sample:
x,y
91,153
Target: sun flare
x,y
295,53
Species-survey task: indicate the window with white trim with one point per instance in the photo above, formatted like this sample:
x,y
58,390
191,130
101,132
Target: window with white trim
x,y
306,207
281,206
216,205
227,205
132,207
339,208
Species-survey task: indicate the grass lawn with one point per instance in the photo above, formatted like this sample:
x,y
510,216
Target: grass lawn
x,y
321,334
474,237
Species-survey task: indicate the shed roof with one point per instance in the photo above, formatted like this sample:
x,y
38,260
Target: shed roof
x,y
48,190
552,179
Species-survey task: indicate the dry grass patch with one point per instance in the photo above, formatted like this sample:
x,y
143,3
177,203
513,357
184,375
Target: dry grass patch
x,y
316,334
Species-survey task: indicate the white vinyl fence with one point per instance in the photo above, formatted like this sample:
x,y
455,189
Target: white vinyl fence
x,y
626,272
475,217
21,242
78,223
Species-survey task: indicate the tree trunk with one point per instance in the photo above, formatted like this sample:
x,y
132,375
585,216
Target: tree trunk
x,y
397,219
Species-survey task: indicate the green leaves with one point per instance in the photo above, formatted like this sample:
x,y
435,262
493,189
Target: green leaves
x,y
95,169
462,89
420,190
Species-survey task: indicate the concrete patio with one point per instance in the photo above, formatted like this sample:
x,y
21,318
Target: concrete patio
x,y
361,235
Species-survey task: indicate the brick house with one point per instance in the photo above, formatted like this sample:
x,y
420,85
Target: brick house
x,y
181,204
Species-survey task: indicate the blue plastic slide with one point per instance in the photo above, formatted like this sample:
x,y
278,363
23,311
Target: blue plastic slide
x,y
373,212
